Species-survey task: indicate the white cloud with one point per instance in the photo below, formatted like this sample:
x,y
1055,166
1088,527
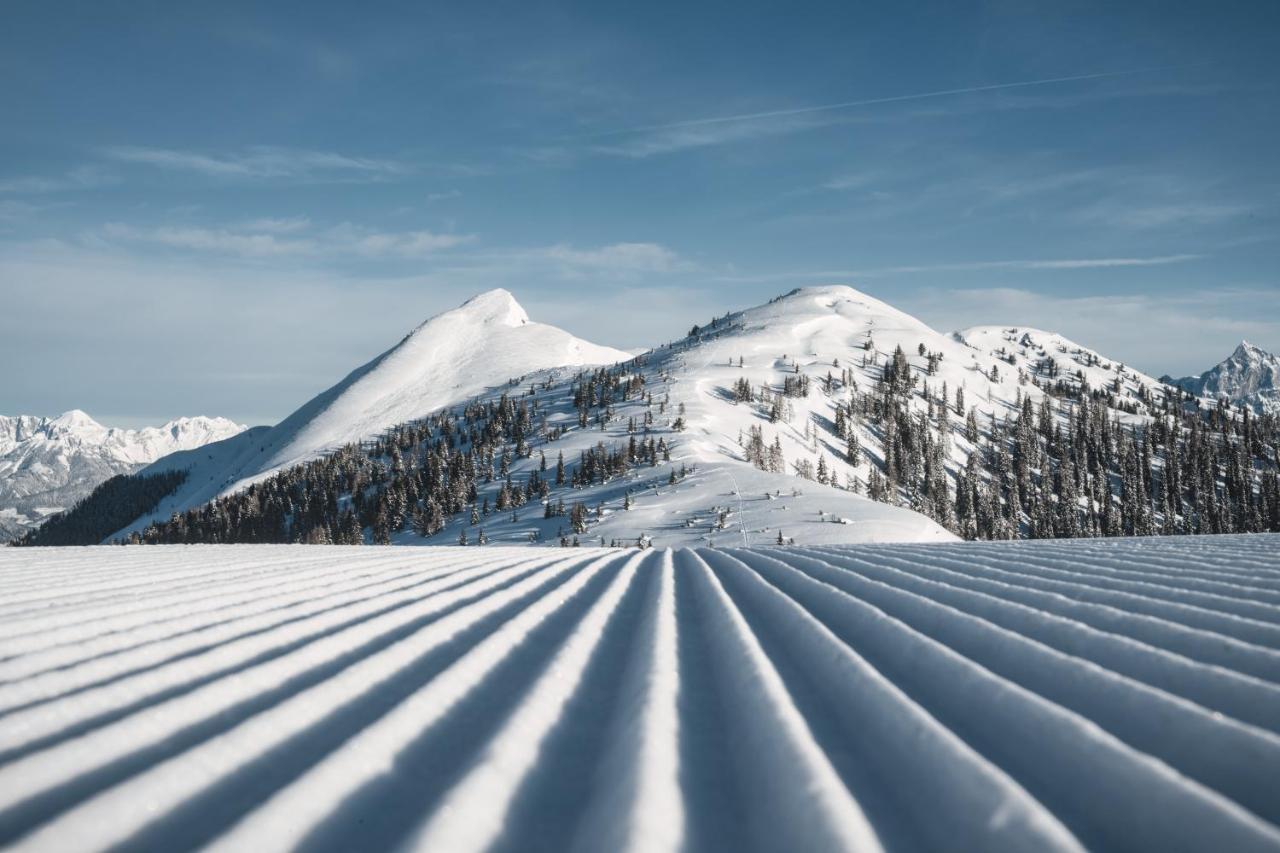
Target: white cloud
x,y
844,105
666,137
407,244
220,240
262,161
618,258
82,178
1052,264
1163,215
679,137
1029,264
268,238
286,225
854,181
13,210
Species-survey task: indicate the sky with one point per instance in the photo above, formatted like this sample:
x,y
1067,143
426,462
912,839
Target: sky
x,y
222,209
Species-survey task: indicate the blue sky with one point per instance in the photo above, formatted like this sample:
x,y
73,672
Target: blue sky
x,y
221,208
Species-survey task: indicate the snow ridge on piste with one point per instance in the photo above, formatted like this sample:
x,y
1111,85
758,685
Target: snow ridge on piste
x,y
1104,694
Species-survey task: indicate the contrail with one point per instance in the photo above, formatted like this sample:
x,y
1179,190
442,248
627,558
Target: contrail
x,y
698,122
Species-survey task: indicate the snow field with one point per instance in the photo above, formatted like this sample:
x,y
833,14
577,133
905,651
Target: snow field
x,y
1101,694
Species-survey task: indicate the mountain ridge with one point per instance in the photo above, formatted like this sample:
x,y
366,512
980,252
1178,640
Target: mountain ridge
x,y
49,463
822,416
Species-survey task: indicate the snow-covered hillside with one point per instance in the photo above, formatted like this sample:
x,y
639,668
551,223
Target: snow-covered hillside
x,y
775,414
47,464
483,344
1051,358
816,333
1103,695
1249,376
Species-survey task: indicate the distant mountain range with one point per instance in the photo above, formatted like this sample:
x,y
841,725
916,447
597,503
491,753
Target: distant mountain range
x,y
1250,376
47,464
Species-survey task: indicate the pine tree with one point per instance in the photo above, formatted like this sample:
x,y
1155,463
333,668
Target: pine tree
x,y
853,450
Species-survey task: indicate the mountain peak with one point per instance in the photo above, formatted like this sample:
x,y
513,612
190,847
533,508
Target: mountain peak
x,y
75,419
1249,376
493,307
826,291
834,303
1247,349
482,344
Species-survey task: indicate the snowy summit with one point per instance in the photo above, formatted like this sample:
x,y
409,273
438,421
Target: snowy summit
x,y
1249,376
482,344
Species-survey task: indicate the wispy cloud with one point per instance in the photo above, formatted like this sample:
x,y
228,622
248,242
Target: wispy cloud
x,y
287,225
617,258
1119,213
1029,264
1053,264
844,105
649,142
276,238
405,244
855,181
81,178
665,137
262,162
219,240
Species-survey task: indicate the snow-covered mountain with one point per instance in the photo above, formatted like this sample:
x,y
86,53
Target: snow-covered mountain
x,y
823,334
483,344
1250,375
792,379
1050,357
47,464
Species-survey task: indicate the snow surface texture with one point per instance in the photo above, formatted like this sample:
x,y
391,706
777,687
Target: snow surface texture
x,y
1103,694
452,357
47,464
1250,376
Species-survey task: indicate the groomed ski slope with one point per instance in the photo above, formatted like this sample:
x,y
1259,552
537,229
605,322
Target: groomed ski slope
x,y
1101,694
